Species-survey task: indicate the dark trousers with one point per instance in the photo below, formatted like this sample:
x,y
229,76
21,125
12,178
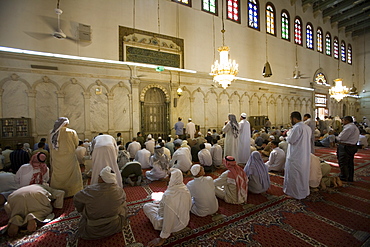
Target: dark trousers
x,y
346,155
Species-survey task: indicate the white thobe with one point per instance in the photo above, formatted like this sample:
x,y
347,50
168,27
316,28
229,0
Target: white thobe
x,y
142,156
205,157
216,153
167,152
276,160
183,158
24,175
208,146
172,213
105,152
297,165
190,129
244,145
312,124
203,195
284,146
149,145
230,143
132,148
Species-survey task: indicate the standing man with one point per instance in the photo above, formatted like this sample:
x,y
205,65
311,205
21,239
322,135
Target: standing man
x,y
190,128
297,165
66,173
347,148
179,128
244,146
312,124
18,158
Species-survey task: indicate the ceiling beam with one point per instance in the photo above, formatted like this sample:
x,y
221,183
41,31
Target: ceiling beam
x,y
339,8
324,5
360,32
354,19
351,12
358,26
310,2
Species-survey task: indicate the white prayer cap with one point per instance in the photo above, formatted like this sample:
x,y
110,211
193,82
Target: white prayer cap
x,y
189,119
86,140
195,169
108,175
281,138
364,117
244,115
150,136
272,137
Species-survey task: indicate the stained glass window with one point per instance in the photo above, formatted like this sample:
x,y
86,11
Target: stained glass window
x,y
253,17
185,2
328,44
309,36
349,54
343,51
320,78
210,6
298,31
270,19
285,25
336,48
233,10
319,40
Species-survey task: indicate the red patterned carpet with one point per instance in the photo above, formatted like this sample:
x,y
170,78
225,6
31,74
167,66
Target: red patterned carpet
x,y
336,217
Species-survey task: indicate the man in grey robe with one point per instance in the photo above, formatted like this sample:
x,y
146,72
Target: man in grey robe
x,y
297,164
103,207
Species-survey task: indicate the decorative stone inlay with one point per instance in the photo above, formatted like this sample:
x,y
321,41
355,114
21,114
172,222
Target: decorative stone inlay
x,y
98,82
45,79
14,77
143,92
73,80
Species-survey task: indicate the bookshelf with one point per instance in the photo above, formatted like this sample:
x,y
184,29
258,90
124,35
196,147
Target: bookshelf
x,y
14,130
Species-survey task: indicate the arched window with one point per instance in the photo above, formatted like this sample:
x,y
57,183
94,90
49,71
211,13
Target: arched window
x,y
309,36
285,22
336,48
253,14
298,31
349,54
233,12
343,51
210,6
328,44
270,19
319,39
184,2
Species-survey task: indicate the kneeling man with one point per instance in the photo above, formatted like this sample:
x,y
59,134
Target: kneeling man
x,y
103,207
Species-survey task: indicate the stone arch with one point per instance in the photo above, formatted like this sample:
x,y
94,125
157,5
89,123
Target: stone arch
x,y
97,83
72,81
120,84
45,79
142,95
15,77
211,91
198,90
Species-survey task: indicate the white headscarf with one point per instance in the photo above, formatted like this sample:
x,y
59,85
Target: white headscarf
x,y
234,125
54,134
108,175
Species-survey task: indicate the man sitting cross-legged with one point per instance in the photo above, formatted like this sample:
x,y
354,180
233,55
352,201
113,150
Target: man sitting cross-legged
x,y
202,191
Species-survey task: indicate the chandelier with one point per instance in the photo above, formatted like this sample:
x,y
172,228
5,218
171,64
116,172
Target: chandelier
x,y
224,72
339,91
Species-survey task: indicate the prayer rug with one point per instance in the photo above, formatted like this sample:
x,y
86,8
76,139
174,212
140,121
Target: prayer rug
x,y
335,217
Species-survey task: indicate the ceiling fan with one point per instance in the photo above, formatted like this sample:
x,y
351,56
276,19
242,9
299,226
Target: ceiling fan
x,y
296,73
58,32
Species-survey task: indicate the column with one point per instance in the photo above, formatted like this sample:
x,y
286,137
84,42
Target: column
x,y
32,110
135,103
87,132
60,104
111,127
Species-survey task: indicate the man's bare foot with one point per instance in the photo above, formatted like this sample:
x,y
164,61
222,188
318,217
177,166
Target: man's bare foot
x,y
31,225
12,230
339,182
323,185
335,182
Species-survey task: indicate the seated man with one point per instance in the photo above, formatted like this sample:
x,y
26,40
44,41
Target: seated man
x,y
36,172
202,191
258,175
31,203
232,185
181,158
216,153
276,160
103,207
123,157
172,212
143,156
328,141
205,158
160,164
131,173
